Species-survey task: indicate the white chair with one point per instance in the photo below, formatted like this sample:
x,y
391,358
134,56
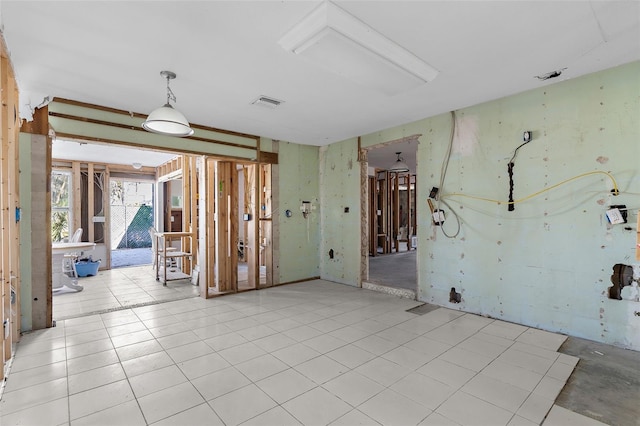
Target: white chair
x,y
69,259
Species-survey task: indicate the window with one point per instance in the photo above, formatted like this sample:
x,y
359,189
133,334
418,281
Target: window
x,y
60,205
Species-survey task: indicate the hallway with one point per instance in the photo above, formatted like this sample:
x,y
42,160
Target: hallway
x,y
396,270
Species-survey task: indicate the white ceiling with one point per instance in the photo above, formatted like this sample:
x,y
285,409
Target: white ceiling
x,y
107,154
226,54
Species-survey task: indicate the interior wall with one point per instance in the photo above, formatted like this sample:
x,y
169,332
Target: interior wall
x,y
548,263
296,249
340,213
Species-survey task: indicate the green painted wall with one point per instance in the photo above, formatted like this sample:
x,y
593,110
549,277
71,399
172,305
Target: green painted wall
x,y
297,238
548,263
340,189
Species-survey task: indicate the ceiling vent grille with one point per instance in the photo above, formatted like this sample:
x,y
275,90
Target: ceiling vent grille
x,y
267,102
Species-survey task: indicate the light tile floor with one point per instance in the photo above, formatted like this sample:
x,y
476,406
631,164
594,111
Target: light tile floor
x,y
118,288
312,353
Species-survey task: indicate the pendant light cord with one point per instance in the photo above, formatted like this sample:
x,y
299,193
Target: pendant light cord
x,y
170,95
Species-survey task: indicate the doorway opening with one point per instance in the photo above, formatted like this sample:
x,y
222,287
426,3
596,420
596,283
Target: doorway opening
x,y
391,224
237,205
254,266
132,211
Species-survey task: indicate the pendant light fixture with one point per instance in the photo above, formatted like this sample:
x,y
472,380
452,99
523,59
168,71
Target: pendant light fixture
x,y
166,120
399,166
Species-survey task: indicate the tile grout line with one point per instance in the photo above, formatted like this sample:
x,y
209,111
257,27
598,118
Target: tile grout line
x,y
309,324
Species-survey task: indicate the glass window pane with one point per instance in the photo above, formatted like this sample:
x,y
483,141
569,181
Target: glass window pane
x,y
60,183
59,225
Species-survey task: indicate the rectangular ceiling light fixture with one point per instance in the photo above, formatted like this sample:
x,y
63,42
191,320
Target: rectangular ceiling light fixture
x,y
342,44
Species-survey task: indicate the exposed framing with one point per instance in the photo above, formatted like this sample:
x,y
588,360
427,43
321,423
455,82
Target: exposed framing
x,y
9,205
119,128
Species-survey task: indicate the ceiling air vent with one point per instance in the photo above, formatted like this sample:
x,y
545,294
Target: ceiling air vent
x,y
267,102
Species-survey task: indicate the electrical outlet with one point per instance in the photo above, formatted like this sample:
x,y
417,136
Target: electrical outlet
x,y
438,217
617,214
614,216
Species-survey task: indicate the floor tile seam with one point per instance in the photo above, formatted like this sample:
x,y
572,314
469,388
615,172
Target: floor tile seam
x,y
39,383
36,334
310,359
372,353
492,404
461,348
529,369
31,407
208,402
70,394
494,357
133,376
440,381
538,356
310,390
315,385
455,389
72,332
135,398
108,408
32,367
67,359
544,417
512,384
499,322
354,407
346,366
16,353
529,393
326,352
135,395
120,361
404,397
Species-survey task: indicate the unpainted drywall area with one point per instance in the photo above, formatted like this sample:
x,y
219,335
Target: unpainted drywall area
x,y
548,262
340,212
298,236
33,243
25,229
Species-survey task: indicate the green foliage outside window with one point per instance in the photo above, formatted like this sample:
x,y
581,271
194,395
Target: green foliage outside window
x,y
59,226
60,185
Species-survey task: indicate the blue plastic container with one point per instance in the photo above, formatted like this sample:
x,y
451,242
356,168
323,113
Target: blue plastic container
x,y
86,268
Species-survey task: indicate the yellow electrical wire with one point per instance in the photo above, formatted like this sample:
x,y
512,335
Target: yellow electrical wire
x,y
616,191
